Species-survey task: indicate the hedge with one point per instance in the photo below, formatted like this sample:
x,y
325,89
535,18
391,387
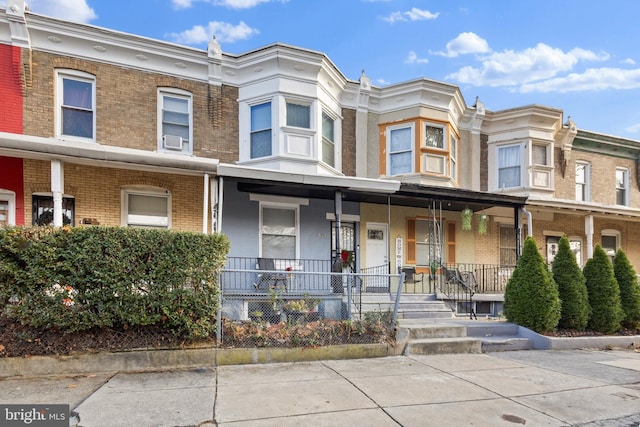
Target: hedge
x,y
75,279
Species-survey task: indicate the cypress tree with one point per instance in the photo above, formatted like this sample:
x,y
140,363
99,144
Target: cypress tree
x,y
531,296
629,289
571,288
604,293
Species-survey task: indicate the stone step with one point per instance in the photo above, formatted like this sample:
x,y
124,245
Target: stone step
x,y
505,343
436,331
420,313
489,329
429,346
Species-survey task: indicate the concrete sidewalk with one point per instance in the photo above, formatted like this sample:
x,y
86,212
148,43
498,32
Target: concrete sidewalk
x,y
546,388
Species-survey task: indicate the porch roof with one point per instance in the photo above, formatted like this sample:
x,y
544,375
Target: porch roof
x,y
364,190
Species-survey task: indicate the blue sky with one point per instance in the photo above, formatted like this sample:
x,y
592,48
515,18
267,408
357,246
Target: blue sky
x,y
582,56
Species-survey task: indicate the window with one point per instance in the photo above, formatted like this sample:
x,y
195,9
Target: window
x,y
453,157
424,241
298,115
610,242
507,246
400,150
261,130
146,208
552,248
539,154
176,119
76,104
328,140
583,182
509,166
42,210
434,137
279,232
7,208
622,187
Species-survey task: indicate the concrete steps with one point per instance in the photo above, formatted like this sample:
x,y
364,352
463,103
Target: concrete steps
x,y
456,336
412,306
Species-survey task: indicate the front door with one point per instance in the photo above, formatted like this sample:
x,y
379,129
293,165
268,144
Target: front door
x,y
377,244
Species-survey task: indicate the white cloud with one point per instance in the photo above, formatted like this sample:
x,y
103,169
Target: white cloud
x,y
232,4
224,32
72,10
629,61
593,79
464,44
634,128
412,58
511,68
414,14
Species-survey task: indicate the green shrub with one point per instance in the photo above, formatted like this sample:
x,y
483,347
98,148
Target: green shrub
x,y
531,296
629,289
572,289
604,293
74,279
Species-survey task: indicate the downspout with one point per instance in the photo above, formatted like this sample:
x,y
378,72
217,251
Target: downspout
x,y
529,222
218,225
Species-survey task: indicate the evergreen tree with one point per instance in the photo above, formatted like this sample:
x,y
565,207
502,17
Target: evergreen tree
x,y
604,293
531,296
629,289
572,288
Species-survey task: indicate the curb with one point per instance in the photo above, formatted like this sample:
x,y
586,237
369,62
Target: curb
x,y
176,359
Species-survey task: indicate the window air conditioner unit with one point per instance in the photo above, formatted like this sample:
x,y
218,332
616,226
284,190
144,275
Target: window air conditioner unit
x,y
172,142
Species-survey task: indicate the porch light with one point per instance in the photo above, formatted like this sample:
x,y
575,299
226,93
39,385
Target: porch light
x,y
467,214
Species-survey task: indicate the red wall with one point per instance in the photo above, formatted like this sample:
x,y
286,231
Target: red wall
x,y
11,120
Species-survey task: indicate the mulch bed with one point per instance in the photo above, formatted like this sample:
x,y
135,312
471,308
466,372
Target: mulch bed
x,y
18,340
565,333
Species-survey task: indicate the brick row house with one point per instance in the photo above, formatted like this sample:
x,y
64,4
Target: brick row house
x,y
295,162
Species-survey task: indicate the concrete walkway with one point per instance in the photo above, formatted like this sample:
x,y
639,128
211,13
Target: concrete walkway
x,y
532,388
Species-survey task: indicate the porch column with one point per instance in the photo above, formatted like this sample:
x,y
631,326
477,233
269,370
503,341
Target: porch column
x,y
518,226
205,204
338,214
588,231
217,193
57,188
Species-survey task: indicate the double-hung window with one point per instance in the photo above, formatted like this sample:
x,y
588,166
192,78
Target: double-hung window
x,y
400,149
76,104
622,187
261,130
583,182
328,140
453,157
509,160
298,115
176,118
146,208
279,232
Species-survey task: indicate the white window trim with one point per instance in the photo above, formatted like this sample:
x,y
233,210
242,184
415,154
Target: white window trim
x,y
453,158
587,180
177,93
388,131
143,191
302,102
627,179
578,239
292,206
545,170
59,97
10,197
611,233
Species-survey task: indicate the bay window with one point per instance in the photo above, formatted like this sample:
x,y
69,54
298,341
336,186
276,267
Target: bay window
x,y
328,140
